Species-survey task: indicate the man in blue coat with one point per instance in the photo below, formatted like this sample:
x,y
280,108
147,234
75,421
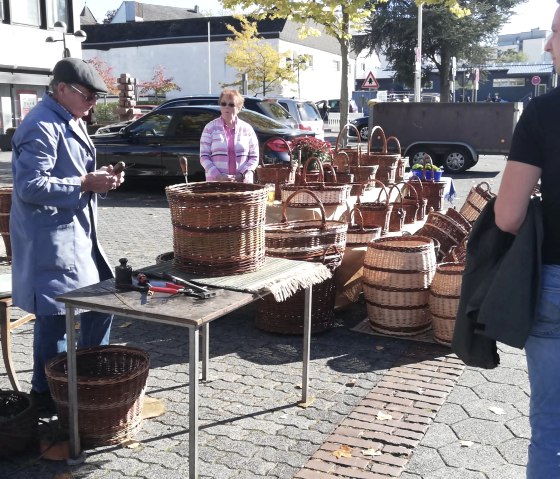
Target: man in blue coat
x,y
53,217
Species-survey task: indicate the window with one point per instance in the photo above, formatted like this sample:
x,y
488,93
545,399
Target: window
x,y
2,14
57,11
26,12
336,65
508,82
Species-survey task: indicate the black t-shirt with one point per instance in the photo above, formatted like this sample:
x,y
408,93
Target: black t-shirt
x,y
536,141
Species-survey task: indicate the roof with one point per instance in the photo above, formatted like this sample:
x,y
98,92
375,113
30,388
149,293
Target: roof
x,y
193,30
86,17
521,68
146,12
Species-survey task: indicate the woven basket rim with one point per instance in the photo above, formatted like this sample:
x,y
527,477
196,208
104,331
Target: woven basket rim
x,y
422,243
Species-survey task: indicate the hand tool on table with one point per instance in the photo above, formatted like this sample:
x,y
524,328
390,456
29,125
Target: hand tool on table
x,y
175,286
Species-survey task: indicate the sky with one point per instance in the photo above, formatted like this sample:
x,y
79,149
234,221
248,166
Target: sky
x,y
531,14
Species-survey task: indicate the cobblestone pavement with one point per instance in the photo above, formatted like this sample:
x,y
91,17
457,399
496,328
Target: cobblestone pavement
x,y
440,420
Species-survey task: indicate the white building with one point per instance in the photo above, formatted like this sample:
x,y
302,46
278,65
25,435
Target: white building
x,y
530,43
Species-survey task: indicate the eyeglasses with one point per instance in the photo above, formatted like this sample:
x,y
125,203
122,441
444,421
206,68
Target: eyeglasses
x,y
231,105
92,97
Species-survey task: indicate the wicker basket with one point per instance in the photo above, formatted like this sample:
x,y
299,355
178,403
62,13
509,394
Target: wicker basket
x,y
398,213
111,384
276,174
387,162
445,292
330,194
218,228
378,212
416,184
411,202
353,153
476,200
5,206
457,254
397,274
304,239
443,228
459,219
362,175
358,234
18,423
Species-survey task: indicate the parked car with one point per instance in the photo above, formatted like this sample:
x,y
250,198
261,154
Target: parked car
x,y
362,125
306,114
153,144
334,105
268,107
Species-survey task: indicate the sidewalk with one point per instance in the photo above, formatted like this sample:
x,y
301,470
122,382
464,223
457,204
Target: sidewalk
x,y
441,424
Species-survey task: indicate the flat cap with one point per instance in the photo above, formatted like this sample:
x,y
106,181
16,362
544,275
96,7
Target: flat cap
x,y
76,70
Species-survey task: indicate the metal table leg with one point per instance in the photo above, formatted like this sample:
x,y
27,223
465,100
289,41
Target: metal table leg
x,y
306,344
194,335
205,345
75,447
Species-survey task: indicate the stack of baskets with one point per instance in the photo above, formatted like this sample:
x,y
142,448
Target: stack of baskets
x,y
19,420
111,384
277,173
449,229
397,275
218,228
388,162
309,240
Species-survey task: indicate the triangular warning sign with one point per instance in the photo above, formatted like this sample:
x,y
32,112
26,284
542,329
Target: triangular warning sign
x,y
370,81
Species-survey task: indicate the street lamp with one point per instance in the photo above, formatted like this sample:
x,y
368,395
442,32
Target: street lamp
x,y
61,27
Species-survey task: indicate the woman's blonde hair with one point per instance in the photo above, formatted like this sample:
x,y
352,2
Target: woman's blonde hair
x,y
237,97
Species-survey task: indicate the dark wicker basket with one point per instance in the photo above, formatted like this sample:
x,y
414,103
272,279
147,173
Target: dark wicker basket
x,y
18,423
5,205
111,383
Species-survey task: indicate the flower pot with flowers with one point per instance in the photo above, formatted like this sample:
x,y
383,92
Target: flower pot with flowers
x,y
306,147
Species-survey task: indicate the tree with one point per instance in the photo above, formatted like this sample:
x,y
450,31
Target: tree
x,y
109,16
392,30
159,84
250,55
336,16
511,56
106,72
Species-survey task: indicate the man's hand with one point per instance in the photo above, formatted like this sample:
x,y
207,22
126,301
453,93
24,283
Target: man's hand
x,y
102,180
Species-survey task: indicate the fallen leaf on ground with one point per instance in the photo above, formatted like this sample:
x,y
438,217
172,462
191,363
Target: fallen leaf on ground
x,y
306,404
496,410
152,407
466,443
130,444
383,416
343,451
372,452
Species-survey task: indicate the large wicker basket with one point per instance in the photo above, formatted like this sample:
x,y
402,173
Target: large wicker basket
x,y
398,212
378,212
353,153
397,274
304,239
18,423
445,292
218,228
277,173
5,206
445,229
111,384
362,175
416,197
476,200
388,162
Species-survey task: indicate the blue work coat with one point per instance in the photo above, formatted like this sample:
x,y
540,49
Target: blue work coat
x,y
52,223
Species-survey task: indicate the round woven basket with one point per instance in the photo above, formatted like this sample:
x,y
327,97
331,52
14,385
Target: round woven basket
x,y
111,384
218,228
476,200
445,229
397,274
445,292
18,423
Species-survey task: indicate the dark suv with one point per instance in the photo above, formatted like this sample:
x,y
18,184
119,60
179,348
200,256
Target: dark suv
x,y
268,107
153,144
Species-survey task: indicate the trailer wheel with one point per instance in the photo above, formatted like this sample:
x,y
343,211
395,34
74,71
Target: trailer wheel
x,y
364,133
416,154
457,160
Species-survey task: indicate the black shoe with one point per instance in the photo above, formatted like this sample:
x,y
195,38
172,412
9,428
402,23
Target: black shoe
x,y
43,402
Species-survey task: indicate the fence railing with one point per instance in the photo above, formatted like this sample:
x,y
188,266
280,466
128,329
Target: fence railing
x,y
334,119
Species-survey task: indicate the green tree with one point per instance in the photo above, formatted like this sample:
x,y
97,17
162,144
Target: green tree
x,y
250,55
511,56
336,16
159,84
392,30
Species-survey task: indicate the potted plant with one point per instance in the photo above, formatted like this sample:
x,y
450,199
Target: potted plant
x,y
307,146
418,170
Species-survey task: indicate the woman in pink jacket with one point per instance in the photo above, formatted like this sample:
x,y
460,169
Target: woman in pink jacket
x,y
229,149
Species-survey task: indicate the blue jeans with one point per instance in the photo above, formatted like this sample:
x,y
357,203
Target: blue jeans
x,y
543,364
49,339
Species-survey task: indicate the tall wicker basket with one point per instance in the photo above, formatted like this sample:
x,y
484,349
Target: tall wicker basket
x,y
111,384
277,173
476,200
388,162
397,274
18,423
445,292
218,228
5,205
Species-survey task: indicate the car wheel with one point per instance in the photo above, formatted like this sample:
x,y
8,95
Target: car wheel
x,y
416,154
364,132
457,160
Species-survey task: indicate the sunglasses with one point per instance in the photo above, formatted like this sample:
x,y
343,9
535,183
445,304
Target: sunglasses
x,y
92,97
231,105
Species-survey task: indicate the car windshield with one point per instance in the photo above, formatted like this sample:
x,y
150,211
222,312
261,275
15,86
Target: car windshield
x,y
308,111
260,121
275,110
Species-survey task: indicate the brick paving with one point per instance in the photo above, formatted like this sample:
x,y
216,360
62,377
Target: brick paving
x,y
441,424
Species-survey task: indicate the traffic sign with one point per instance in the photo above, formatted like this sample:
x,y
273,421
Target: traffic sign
x,y
370,81
536,80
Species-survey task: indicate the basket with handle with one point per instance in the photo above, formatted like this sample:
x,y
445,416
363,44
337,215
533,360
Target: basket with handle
x,y
19,422
398,213
458,253
444,295
416,183
432,190
276,174
353,153
362,175
402,161
358,234
397,274
378,212
328,193
443,228
304,239
476,200
459,218
410,200
218,227
387,161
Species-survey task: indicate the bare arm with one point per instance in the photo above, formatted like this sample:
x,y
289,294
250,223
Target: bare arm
x,y
514,195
